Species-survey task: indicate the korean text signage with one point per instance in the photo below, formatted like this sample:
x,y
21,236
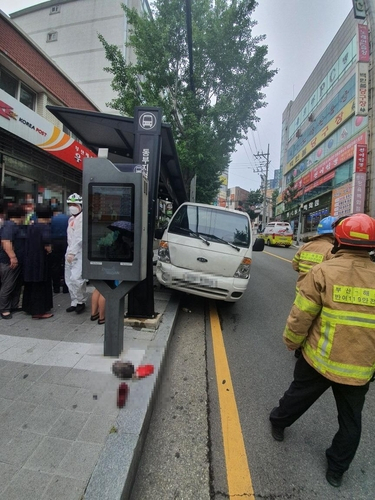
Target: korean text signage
x,y
33,128
363,44
360,158
362,88
333,161
342,200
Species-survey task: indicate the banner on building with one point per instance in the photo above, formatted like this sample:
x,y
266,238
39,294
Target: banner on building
x,y
362,88
24,123
342,200
363,47
358,193
359,9
360,158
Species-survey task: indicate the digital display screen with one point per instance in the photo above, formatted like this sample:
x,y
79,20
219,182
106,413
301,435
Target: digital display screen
x,y
111,222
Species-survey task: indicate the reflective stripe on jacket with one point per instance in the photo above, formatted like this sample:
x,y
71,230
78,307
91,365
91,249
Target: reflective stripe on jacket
x,y
333,318
315,251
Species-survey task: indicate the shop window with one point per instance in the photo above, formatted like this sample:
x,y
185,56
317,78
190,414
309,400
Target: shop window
x,y
8,83
343,173
27,97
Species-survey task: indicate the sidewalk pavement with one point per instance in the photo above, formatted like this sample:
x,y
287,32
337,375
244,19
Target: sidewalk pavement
x,y
62,436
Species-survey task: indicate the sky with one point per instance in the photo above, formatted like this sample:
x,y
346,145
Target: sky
x,y
297,34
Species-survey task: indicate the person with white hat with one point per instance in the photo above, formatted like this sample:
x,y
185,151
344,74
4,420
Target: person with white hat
x,y
73,257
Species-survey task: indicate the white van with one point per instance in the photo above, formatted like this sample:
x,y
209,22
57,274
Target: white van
x,y
207,251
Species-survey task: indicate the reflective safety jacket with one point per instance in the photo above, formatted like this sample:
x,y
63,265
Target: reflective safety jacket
x,y
315,251
333,318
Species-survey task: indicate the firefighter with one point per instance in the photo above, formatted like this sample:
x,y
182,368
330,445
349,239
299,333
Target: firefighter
x,y
314,252
73,257
333,320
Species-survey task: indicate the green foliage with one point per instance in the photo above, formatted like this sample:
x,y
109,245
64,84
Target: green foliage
x,y
229,70
255,198
289,194
275,194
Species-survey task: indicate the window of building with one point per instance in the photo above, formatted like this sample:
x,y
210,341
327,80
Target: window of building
x,y
52,36
8,83
17,89
27,96
55,9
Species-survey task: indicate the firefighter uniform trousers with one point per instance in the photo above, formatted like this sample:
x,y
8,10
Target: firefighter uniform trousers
x,y
308,385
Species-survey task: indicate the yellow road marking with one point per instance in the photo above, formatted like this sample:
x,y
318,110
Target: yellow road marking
x,y
277,257
238,474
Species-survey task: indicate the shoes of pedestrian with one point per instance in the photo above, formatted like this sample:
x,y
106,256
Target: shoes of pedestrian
x,y
71,309
56,290
6,316
94,317
101,321
80,308
334,478
123,369
122,394
42,316
277,433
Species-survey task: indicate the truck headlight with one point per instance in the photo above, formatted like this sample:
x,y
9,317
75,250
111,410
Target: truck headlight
x,y
243,270
163,251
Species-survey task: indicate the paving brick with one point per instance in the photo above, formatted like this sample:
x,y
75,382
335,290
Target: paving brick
x,y
48,455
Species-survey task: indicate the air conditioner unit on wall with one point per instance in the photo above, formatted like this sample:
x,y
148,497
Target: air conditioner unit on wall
x,y
311,117
298,133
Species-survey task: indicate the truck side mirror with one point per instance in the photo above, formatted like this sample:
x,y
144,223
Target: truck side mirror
x,y
258,245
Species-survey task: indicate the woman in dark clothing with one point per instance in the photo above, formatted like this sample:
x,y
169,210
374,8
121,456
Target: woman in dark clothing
x,y
12,251
37,294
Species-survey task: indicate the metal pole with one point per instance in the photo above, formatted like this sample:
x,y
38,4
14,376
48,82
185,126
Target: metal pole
x,y
265,178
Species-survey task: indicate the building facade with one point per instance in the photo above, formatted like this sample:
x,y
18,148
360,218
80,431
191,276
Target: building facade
x,y
67,30
326,145
39,159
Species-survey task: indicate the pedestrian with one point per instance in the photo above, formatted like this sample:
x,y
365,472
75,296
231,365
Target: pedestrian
x,y
332,320
37,297
315,251
29,206
59,241
73,257
12,254
97,307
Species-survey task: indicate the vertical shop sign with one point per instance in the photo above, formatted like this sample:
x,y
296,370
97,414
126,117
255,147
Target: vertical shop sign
x,y
361,97
363,43
360,158
358,193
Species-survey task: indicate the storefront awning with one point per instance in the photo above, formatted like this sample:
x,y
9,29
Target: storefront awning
x,y
116,133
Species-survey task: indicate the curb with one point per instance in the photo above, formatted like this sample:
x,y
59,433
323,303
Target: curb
x,y
117,465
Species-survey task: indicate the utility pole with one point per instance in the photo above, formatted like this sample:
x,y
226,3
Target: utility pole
x,y
263,171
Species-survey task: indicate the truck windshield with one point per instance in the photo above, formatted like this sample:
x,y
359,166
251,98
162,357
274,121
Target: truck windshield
x,y
214,224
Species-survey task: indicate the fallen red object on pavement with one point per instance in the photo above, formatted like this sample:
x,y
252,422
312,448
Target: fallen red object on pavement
x,y
144,371
122,394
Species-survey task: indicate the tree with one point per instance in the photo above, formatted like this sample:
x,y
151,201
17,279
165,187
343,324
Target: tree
x,y
289,194
255,198
275,194
211,112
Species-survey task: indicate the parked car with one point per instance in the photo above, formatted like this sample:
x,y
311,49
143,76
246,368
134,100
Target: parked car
x,y
277,234
207,250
